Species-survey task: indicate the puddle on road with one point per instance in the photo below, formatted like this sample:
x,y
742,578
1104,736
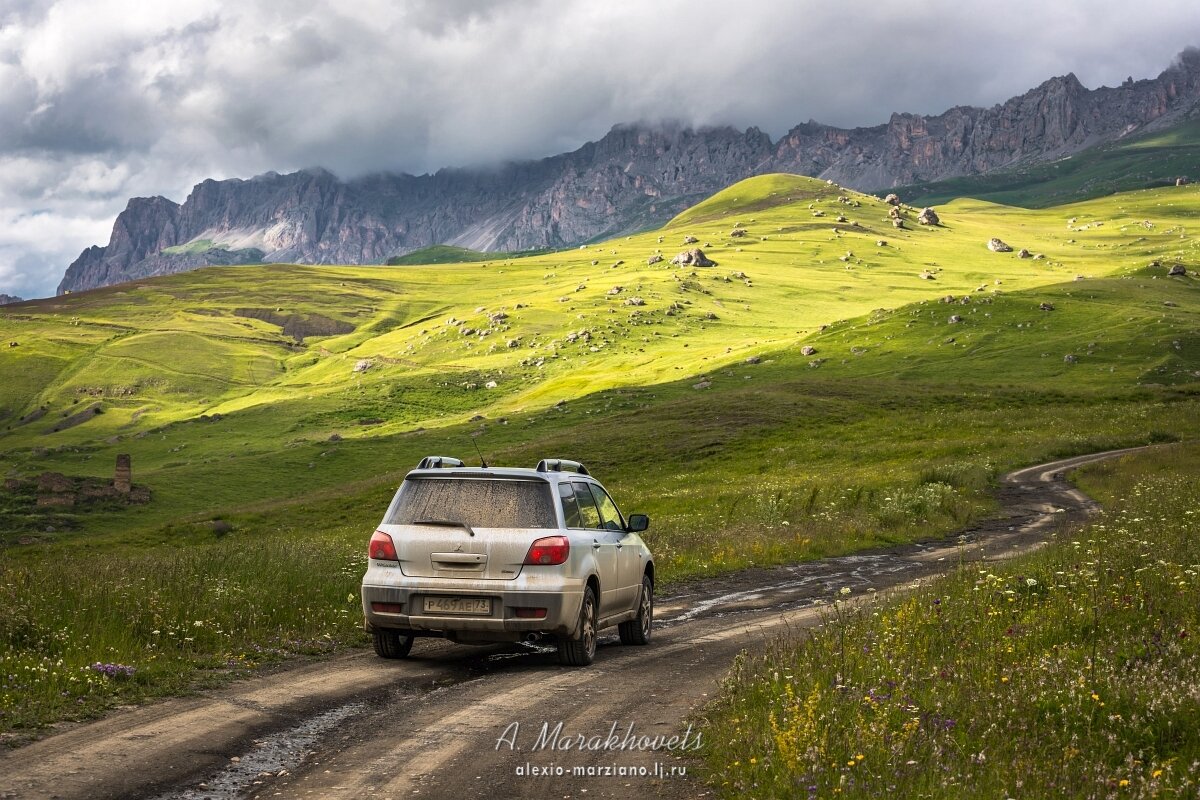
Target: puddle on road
x,y
809,583
272,754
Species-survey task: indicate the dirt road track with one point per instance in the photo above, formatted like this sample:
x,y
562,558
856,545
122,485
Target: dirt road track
x,y
438,724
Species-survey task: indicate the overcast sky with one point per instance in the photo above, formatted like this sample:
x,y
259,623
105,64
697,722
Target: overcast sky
x,y
101,100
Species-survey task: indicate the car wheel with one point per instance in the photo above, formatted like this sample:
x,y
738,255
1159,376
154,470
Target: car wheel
x,y
637,630
392,644
580,650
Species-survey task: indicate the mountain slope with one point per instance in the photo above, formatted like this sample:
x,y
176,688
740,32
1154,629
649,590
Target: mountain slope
x,y
633,178
249,381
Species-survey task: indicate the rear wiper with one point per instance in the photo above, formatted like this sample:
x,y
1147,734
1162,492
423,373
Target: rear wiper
x,y
446,523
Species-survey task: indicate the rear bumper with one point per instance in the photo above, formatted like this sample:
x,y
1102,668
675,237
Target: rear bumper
x,y
502,624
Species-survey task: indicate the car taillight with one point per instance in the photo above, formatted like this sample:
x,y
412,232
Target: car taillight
x,y
550,550
382,548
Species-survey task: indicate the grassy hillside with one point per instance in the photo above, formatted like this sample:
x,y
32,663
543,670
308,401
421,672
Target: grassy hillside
x,y
448,254
271,410
1149,160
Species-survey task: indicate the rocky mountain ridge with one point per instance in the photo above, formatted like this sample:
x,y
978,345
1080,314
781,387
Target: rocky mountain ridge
x,y
634,177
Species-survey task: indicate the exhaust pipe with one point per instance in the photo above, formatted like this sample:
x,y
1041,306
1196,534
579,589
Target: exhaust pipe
x,y
532,638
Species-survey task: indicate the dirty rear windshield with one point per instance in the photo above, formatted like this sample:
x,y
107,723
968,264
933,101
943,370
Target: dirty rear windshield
x,y
480,503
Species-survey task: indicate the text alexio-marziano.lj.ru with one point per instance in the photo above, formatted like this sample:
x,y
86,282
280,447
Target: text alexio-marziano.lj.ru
x,y
553,738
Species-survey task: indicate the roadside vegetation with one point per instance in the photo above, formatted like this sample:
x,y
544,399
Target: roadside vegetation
x,y
810,396
1071,672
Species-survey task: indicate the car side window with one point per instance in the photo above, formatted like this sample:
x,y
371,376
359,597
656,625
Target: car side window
x,y
570,506
610,517
589,516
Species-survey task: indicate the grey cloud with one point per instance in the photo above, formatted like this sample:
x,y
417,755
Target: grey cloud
x,y
140,99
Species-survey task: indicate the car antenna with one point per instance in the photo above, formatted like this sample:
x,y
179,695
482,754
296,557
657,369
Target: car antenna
x,y
482,461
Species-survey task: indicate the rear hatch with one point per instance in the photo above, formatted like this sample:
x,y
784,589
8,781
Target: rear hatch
x,y
468,526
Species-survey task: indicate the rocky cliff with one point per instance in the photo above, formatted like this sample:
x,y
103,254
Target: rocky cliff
x,y
634,177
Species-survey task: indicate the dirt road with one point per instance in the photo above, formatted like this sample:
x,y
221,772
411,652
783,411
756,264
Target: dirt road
x,y
462,722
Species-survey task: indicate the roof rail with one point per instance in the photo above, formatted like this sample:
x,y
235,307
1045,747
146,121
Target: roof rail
x,y
561,465
439,462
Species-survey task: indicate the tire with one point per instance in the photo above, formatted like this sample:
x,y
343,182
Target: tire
x,y
580,650
637,630
392,644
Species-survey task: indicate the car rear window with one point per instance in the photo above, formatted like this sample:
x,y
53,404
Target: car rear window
x,y
478,502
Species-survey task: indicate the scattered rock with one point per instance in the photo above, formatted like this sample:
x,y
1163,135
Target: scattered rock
x,y
753,360
704,384
1070,358
928,276
1023,253
1046,307
616,290
335,437
1183,181
654,259
998,246
710,316
690,240
897,223
363,365
892,199
693,258
894,212
1038,256
808,350
738,232
635,301
490,385
1177,269
928,217
14,344
881,243
955,319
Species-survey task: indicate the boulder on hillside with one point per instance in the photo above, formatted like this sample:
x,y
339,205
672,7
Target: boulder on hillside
x,y
808,350
738,232
897,223
894,212
928,217
998,246
654,259
690,240
1046,307
1023,253
892,199
693,258
1177,269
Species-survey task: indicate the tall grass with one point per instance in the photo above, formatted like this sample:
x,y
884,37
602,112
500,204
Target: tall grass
x,y
81,634
1073,672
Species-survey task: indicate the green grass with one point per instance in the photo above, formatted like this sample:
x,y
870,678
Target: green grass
x,y
194,246
448,254
1147,161
696,406
1071,672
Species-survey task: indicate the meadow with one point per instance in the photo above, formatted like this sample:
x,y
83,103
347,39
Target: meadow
x,y
272,410
1071,672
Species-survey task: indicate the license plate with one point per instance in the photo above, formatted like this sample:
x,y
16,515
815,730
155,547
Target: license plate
x,y
458,605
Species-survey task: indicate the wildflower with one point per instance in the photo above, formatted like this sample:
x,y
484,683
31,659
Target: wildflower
x,y
845,590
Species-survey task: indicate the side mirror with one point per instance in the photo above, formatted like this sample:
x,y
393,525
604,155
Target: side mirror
x,y
638,523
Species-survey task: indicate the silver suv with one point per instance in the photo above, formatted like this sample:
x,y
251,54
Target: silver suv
x,y
481,555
